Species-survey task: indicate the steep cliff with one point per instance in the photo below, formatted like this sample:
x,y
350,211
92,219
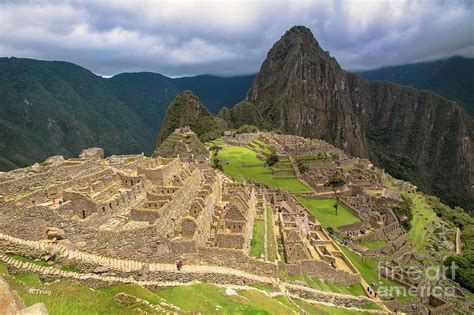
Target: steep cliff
x,y
415,135
452,78
300,89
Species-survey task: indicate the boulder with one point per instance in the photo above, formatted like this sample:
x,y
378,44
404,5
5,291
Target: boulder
x,y
92,154
101,269
55,233
55,160
35,167
230,291
36,309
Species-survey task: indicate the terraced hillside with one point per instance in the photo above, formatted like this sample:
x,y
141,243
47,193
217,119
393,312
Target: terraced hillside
x,y
178,143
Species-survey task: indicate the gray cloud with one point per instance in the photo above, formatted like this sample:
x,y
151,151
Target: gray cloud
x,y
230,37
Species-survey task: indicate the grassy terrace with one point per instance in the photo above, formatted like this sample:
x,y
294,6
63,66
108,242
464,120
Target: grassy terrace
x,y
369,271
325,213
242,163
323,309
257,245
316,283
260,145
423,216
209,299
271,243
71,297
377,244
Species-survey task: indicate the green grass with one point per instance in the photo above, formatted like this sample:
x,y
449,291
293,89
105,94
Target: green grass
x,y
284,300
271,242
70,297
316,283
372,306
259,145
422,218
263,287
237,156
375,244
257,245
325,213
3,268
209,299
320,309
70,267
35,262
368,270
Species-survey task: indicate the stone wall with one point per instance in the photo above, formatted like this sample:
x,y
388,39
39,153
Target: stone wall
x,y
173,212
161,174
321,270
333,298
206,217
235,259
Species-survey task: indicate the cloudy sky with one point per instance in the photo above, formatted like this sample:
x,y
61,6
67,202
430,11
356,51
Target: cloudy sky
x,y
227,37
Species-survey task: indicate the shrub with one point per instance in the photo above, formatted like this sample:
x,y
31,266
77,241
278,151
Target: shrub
x,y
272,159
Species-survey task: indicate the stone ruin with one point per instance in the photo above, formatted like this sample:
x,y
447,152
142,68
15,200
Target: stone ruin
x,y
154,209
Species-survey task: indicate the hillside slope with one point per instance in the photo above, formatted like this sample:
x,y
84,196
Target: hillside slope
x,y
187,110
415,135
50,108
53,108
452,78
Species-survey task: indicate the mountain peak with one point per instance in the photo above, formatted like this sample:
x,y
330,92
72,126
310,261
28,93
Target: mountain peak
x,y
298,36
299,30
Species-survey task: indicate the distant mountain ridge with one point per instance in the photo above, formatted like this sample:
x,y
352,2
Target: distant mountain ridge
x,y
53,107
452,78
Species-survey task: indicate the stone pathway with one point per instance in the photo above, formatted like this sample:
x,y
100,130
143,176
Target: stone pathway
x,y
284,287
133,265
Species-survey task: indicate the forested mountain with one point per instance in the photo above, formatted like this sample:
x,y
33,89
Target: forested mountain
x,y
452,78
50,107
187,110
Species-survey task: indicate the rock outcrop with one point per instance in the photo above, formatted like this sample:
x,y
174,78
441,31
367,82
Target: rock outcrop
x,y
300,89
415,135
12,304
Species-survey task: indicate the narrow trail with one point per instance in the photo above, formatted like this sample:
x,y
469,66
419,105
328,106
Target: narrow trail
x,y
133,265
57,273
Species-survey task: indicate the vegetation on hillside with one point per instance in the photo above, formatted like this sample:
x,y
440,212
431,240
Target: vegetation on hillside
x,y
457,217
51,108
187,110
404,213
243,113
452,78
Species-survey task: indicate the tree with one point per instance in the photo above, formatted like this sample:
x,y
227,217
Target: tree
x,y
336,183
272,159
215,149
